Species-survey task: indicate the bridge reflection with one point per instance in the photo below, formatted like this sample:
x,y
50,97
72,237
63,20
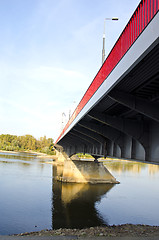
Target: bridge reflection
x,y
73,205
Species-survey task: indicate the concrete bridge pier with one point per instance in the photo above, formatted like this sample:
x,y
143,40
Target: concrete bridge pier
x,y
77,171
82,171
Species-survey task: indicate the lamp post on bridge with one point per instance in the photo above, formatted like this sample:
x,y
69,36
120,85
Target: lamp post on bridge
x,y
103,50
63,122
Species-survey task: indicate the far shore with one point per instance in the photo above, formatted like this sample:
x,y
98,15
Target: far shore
x,y
54,157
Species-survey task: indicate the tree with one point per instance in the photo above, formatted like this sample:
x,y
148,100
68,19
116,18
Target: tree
x,y
27,142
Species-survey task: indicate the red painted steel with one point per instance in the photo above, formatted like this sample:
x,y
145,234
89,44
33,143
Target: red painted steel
x,y
146,13
148,10
132,29
128,35
152,12
136,25
139,20
155,7
143,16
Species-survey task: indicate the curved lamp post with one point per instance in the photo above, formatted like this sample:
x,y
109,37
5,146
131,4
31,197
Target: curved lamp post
x,y
103,50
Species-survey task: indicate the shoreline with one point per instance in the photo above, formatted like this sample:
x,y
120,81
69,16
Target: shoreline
x,y
124,230
5,151
38,154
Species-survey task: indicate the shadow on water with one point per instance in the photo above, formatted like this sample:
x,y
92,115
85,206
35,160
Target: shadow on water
x,y
73,204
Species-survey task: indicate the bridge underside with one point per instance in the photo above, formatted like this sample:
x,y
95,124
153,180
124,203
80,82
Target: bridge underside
x,y
121,119
125,122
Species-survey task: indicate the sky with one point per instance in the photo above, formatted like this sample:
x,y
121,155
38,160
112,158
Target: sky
x,y
50,51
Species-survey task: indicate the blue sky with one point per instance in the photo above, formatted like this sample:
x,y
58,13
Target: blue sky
x,y
50,52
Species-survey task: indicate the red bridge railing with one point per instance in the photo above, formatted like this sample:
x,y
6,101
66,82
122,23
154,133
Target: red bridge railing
x,y
144,13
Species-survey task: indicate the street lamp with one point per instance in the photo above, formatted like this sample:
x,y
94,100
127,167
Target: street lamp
x,y
103,50
63,122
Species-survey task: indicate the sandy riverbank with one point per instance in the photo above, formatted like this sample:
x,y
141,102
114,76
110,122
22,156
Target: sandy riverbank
x,y
3,151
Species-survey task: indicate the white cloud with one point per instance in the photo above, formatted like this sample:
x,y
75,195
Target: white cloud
x,y
38,97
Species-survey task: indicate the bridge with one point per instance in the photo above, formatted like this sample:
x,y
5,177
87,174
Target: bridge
x,y
118,115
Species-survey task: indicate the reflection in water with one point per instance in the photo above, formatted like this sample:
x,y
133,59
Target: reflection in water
x,y
153,169
18,156
30,197
135,200
20,159
74,204
121,166
25,194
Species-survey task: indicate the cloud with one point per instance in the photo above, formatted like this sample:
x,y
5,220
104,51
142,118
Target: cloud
x,y
47,74
20,120
37,96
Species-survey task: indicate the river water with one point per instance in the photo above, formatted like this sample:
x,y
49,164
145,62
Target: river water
x,y
31,199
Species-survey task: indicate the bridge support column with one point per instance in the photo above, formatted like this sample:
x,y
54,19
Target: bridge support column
x,y
116,151
127,146
110,146
154,142
137,151
78,171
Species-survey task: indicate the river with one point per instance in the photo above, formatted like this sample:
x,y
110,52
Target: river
x,y
31,199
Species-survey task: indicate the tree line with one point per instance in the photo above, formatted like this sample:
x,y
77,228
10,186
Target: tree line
x,y
27,142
